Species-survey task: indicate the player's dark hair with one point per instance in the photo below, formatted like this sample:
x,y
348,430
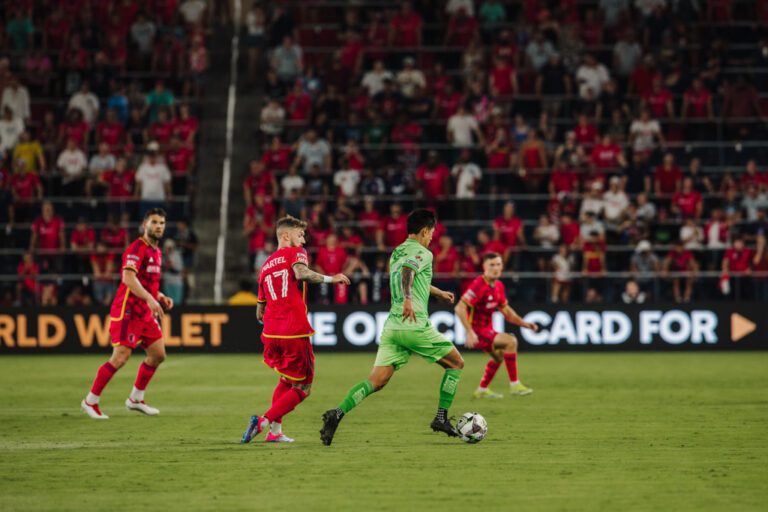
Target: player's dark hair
x,y
289,222
419,219
155,211
490,255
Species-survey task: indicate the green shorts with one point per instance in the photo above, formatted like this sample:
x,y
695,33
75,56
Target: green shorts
x,y
396,346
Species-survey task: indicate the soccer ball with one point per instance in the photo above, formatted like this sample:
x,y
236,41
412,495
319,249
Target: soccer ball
x,y
471,427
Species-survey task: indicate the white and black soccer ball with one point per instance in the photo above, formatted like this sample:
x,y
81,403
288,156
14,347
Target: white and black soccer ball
x,y
471,427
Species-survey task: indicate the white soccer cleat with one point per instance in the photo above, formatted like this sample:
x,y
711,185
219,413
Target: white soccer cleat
x,y
93,411
133,405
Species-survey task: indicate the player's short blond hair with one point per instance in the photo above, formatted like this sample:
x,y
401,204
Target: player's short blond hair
x,y
289,222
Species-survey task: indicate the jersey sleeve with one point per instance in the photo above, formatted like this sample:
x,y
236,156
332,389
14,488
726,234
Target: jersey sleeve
x,y
299,255
416,260
472,295
262,298
502,296
133,257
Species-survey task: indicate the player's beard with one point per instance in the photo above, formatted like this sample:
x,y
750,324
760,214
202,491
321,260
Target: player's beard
x,y
155,238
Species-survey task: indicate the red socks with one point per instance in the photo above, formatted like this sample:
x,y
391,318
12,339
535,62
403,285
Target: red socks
x,y
511,361
285,404
281,389
490,372
103,376
144,376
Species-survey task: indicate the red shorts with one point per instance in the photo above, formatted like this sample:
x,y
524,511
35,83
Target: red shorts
x,y
290,357
131,331
485,337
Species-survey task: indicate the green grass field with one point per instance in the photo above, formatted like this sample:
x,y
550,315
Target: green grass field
x,y
601,432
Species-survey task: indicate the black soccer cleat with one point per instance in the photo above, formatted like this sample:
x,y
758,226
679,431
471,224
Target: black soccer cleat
x,y
331,422
446,426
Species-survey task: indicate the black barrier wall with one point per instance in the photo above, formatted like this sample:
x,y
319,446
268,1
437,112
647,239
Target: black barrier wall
x,y
713,326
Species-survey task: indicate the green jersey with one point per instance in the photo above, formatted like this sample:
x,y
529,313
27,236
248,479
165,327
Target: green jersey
x,y
413,255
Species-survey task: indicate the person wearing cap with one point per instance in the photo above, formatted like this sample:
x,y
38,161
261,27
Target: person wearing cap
x,y
409,78
645,266
153,181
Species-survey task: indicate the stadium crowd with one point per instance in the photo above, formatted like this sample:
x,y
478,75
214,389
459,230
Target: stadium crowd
x,y
99,124
609,150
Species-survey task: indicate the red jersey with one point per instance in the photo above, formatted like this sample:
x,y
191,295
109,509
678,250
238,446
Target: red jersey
x,y
102,261
161,132
447,105
657,102
668,178
757,179
493,246
298,106
114,239
260,185
285,297
25,184
483,300
77,131
448,263
739,261
679,260
267,211
605,157
368,222
395,230
146,261
591,254
502,80
179,160
697,103
29,275
585,134
406,29
111,133
277,160
564,180
508,230
120,183
82,238
331,260
434,180
687,203
570,232
48,232
184,127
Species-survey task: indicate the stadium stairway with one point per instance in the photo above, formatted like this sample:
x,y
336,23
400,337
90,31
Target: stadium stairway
x,y
213,148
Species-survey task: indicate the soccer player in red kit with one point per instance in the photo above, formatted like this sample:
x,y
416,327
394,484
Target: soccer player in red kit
x,y
282,307
475,310
134,316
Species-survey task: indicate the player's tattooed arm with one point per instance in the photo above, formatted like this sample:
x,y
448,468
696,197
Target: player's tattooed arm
x,y
304,273
407,275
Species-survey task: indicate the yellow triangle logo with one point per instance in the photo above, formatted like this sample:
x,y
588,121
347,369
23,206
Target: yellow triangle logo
x,y
740,326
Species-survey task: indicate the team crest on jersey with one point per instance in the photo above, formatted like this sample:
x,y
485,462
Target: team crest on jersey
x,y
131,338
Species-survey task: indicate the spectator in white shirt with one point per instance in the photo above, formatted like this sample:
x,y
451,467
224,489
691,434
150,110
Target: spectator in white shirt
x,y
453,6
313,150
593,200
16,97
153,181
11,128
143,33
626,54
100,163
86,102
643,134
691,235
460,128
615,203
410,78
272,118
287,60
373,81
292,181
539,50
192,11
467,175
72,164
346,180
591,76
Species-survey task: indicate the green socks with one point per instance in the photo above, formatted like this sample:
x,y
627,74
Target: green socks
x,y
357,394
448,387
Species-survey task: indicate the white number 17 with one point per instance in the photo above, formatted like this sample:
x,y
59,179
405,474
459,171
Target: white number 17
x,y
283,274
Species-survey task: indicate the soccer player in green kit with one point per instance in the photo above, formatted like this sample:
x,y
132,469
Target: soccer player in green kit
x,y
407,329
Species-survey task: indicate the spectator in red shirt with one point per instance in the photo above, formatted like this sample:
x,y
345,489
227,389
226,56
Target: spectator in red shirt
x,y
508,229
658,100
594,268
277,157
667,178
186,126
447,263
160,130
25,188
259,182
680,260
736,265
563,179
74,128
258,228
469,265
607,155
26,288
47,231
585,133
113,235
405,27
433,178
118,182
570,231
55,30
103,268
697,106
641,79
503,79
752,177
298,106
330,260
180,159
687,203
350,240
446,102
462,28
487,244
369,220
393,229
760,266
81,243
110,131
